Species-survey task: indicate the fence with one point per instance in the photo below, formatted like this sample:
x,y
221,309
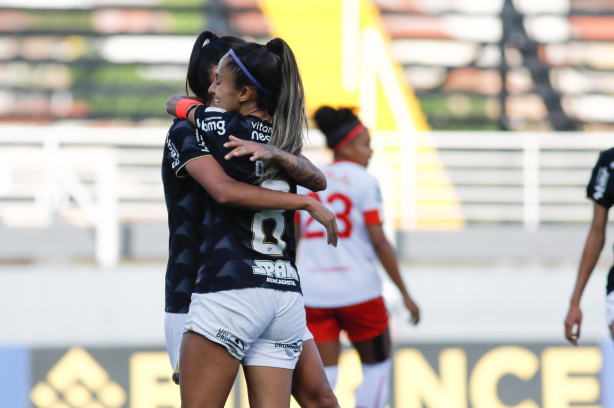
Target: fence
x,y
95,177
460,178
103,177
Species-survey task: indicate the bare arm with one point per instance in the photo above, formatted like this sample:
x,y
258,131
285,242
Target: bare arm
x,y
230,192
173,101
387,257
592,249
298,167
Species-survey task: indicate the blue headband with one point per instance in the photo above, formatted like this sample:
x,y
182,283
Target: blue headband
x,y
246,72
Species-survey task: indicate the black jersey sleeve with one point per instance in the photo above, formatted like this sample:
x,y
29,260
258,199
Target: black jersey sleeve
x,y
184,143
600,188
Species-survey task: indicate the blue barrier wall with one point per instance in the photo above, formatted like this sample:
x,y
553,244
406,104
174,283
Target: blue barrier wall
x,y
15,377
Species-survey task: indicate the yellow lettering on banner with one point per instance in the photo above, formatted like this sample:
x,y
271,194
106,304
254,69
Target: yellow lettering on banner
x,y
495,364
151,385
569,375
417,385
150,382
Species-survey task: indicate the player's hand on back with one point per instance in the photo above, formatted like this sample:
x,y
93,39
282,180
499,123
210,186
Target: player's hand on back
x,y
258,151
573,321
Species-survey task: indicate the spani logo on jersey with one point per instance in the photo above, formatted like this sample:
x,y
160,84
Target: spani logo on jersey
x,y
279,272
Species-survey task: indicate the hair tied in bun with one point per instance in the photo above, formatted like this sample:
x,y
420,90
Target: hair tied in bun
x,y
274,45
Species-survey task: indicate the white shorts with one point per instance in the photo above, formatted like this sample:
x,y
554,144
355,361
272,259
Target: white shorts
x,y
609,309
307,335
173,332
260,327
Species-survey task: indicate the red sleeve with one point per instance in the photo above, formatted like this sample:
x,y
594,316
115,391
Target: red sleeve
x,y
183,105
297,217
372,217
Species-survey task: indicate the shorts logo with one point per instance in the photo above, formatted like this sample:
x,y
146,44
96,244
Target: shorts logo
x,y
291,349
232,342
279,272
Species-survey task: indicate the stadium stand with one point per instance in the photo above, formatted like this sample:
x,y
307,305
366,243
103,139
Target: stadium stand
x,y
101,65
100,62
555,69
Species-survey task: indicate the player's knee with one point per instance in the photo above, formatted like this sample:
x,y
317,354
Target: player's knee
x,y
320,396
326,398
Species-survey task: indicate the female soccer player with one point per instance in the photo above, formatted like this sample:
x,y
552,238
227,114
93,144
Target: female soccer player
x,y
600,190
341,287
247,306
185,198
186,202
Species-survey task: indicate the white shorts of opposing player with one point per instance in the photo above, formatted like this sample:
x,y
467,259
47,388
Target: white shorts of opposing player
x,y
262,327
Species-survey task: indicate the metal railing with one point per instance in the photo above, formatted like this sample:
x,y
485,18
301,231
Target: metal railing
x,y
92,177
103,177
488,177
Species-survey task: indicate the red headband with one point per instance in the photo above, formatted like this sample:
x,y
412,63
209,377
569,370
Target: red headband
x,y
353,133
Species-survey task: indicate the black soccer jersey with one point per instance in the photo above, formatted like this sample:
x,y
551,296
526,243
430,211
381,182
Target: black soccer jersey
x,y
244,248
600,189
185,203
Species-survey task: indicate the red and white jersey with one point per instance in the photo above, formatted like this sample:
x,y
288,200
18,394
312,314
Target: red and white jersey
x,y
346,275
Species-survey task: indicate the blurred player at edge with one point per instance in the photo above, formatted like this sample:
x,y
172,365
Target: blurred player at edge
x,y
341,286
186,201
600,190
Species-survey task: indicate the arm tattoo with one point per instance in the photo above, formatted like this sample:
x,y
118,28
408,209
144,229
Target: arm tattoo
x,y
309,179
268,148
301,169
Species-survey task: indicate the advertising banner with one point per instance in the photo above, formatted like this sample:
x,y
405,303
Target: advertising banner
x,y
426,375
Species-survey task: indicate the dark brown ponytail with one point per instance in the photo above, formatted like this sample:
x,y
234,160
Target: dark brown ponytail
x,y
275,69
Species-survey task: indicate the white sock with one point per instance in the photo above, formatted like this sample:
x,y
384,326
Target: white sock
x,y
331,374
374,390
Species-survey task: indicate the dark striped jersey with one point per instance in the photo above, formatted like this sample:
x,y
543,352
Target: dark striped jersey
x,y
185,203
600,189
244,248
